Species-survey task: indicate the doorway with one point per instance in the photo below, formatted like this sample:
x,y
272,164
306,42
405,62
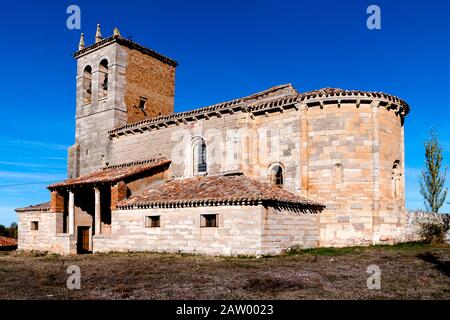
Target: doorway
x,y
83,240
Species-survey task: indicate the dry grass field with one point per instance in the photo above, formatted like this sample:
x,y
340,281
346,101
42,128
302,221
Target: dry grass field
x,y
409,271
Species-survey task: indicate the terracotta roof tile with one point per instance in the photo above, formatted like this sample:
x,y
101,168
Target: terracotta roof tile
x,y
38,207
7,242
217,190
113,174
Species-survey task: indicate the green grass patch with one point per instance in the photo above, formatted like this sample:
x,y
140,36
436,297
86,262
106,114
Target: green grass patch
x,y
406,246
326,251
332,251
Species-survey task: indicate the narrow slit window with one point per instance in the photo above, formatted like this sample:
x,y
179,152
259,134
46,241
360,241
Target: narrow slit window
x,y
142,103
200,157
87,85
396,179
276,175
103,79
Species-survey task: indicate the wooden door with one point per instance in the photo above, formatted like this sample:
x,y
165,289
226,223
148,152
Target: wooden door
x,y
83,240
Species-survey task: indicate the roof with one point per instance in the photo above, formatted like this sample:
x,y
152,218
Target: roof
x,y
38,207
7,242
218,190
114,173
280,97
129,44
282,90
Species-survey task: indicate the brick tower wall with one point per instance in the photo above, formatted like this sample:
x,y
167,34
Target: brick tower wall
x,y
149,78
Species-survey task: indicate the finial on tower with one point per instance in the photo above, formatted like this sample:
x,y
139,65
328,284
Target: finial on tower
x,y
116,32
81,43
98,34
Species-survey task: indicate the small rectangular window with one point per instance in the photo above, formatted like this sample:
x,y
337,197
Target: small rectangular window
x,y
152,222
34,225
210,220
142,103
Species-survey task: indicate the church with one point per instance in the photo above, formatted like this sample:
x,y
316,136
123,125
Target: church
x,y
256,175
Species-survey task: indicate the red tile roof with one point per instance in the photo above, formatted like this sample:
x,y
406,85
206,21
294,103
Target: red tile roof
x,y
113,174
38,207
218,190
7,242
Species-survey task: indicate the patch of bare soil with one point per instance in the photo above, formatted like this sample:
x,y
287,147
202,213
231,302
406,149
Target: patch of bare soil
x,y
407,272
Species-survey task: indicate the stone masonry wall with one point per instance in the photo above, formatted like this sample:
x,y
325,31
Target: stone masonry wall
x,y
248,145
391,213
95,119
411,229
349,165
242,231
286,229
341,154
340,171
239,231
131,75
46,238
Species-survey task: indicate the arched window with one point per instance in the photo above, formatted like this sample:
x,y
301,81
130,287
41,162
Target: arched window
x,y
396,179
87,85
199,156
103,79
276,175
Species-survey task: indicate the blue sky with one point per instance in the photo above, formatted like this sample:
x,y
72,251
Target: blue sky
x,y
226,49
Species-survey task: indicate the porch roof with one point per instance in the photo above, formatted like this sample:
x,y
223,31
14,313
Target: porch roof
x,y
113,174
37,207
234,189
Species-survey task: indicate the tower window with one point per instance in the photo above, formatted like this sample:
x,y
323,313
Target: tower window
x,y
103,78
276,175
142,103
87,85
396,177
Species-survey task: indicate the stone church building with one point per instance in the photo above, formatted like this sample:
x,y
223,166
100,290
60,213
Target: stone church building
x,y
254,175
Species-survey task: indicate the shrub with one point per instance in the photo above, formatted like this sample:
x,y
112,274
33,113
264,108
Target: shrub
x,y
433,232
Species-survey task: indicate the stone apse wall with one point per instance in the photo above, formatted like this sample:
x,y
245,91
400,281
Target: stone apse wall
x,y
342,154
350,156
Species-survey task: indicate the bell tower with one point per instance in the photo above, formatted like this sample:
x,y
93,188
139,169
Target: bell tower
x,y
118,82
